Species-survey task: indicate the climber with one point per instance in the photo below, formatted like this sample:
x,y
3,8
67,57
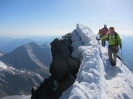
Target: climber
x,y
103,32
114,40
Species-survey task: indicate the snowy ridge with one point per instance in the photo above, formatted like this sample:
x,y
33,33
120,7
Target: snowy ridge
x,y
96,78
89,75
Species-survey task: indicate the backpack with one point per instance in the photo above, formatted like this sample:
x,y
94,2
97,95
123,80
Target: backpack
x,y
104,31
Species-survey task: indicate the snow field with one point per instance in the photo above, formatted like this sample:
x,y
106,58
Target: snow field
x,y
2,65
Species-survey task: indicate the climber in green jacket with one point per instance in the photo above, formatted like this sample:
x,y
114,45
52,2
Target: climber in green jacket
x,y
114,43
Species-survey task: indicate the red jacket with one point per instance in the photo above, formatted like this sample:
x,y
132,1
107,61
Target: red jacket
x,y
103,31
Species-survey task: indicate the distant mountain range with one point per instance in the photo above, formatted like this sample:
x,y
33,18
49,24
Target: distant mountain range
x,y
24,67
8,44
29,56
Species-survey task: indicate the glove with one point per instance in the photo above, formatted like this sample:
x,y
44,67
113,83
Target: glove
x,y
97,39
120,46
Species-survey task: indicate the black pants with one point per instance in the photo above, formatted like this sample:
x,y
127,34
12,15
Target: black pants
x,y
103,43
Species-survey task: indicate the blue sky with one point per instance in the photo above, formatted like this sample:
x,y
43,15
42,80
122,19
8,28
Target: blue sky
x,y
58,17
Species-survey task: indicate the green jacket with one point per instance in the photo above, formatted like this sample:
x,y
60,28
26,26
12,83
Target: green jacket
x,y
112,38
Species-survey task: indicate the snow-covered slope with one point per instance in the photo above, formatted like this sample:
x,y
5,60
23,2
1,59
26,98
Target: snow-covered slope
x,y
96,78
17,81
17,97
0,54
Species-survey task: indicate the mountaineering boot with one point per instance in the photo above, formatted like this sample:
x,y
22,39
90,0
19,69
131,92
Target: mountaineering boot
x,y
113,64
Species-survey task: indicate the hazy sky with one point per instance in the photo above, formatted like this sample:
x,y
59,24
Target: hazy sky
x,y
58,17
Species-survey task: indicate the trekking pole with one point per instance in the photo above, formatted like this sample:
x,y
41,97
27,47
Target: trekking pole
x,y
121,57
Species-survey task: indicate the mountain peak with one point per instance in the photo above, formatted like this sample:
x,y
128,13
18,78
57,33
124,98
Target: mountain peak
x,y
26,66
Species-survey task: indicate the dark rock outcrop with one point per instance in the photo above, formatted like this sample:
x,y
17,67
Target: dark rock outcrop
x,y
63,69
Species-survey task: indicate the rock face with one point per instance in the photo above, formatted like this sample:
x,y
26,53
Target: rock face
x,y
63,69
